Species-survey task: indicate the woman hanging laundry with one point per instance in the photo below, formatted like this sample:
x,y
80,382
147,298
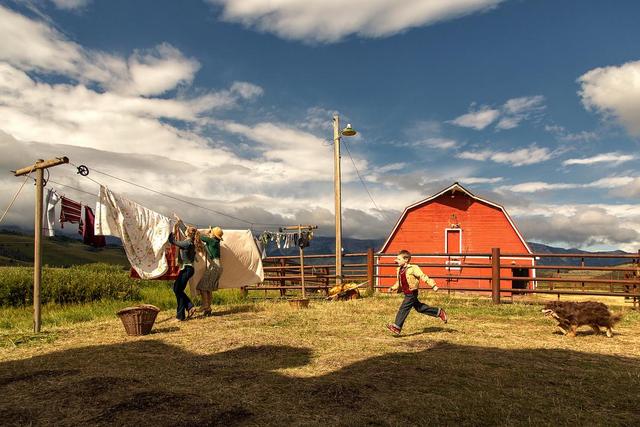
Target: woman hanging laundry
x,y
211,277
188,249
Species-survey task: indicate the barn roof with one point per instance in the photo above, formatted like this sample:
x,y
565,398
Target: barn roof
x,y
457,187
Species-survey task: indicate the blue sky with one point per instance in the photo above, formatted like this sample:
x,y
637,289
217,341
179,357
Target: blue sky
x,y
532,104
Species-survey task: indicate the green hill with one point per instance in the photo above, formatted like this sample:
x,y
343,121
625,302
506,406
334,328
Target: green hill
x,y
16,249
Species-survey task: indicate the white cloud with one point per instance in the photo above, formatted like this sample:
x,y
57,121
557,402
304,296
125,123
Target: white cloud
x,y
480,180
103,110
615,158
516,110
70,4
562,134
520,157
538,186
35,45
581,225
333,20
438,143
508,116
523,104
478,119
612,182
391,167
614,91
32,45
155,71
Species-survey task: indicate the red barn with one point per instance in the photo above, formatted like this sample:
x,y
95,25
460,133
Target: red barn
x,y
451,224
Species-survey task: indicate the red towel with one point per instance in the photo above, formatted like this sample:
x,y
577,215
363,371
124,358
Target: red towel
x,y
87,230
71,211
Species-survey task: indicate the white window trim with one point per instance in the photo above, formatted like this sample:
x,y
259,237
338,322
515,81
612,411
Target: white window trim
x,y
452,261
446,239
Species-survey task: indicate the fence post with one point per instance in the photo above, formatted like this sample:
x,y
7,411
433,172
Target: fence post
x,y
283,272
370,261
495,275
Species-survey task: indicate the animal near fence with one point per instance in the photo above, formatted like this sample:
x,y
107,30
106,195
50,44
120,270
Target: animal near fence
x,y
494,274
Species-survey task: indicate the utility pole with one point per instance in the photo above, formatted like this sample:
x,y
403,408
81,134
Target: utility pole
x,y
337,188
337,182
39,168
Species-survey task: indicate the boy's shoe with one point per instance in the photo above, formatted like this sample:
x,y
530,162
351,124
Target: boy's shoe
x,y
393,328
206,312
443,316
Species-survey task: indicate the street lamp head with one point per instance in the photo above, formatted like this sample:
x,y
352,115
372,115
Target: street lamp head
x,y
348,131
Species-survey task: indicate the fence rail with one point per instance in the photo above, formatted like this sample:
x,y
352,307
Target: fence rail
x,y
284,273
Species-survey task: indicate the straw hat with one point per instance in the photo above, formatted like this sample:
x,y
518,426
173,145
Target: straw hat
x,y
217,231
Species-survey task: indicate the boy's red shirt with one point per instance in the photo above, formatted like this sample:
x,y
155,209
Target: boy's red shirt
x,y
404,283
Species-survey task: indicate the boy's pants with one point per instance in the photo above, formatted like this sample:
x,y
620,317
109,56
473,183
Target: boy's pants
x,y
411,301
184,303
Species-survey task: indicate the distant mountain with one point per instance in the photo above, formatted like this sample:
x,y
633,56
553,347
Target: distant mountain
x,y
594,262
327,245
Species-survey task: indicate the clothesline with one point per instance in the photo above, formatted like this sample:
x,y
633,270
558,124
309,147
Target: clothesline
x,y
252,223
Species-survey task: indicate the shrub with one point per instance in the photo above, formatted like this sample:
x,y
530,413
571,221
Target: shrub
x,y
68,285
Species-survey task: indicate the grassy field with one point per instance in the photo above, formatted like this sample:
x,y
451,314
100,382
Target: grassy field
x,y
264,363
17,250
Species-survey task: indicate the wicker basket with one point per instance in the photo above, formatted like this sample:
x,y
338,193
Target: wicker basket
x,y
299,303
138,320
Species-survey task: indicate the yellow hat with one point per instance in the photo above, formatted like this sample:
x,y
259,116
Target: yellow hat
x,y
217,231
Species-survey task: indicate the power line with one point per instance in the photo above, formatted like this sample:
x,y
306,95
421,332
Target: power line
x,y
15,196
362,180
73,188
252,223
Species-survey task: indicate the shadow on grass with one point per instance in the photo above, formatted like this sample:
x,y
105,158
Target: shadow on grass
x,y
236,309
429,330
148,382
165,330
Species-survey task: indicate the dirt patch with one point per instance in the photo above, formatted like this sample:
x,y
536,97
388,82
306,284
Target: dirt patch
x,y
230,417
37,376
99,386
167,408
418,345
142,402
343,395
14,417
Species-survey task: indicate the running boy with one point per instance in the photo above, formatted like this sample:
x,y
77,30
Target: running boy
x,y
408,279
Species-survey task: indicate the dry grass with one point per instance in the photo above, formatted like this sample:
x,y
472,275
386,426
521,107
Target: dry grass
x,y
333,364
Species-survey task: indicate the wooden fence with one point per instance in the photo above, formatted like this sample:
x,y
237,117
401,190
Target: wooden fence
x,y
284,273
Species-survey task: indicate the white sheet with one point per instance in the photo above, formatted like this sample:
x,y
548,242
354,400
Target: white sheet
x,y
144,233
240,260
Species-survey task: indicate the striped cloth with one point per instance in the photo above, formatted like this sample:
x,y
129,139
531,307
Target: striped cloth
x,y
70,212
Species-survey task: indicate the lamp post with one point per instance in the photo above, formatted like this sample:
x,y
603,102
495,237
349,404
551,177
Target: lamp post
x,y
337,182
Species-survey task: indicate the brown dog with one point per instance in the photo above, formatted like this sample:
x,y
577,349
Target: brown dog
x,y
571,315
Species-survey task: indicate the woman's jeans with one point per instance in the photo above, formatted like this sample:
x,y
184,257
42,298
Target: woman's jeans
x,y
184,303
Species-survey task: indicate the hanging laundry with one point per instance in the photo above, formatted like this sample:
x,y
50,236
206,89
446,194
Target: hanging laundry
x,y
262,247
144,233
265,238
241,262
87,229
304,239
278,240
51,200
70,212
173,264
